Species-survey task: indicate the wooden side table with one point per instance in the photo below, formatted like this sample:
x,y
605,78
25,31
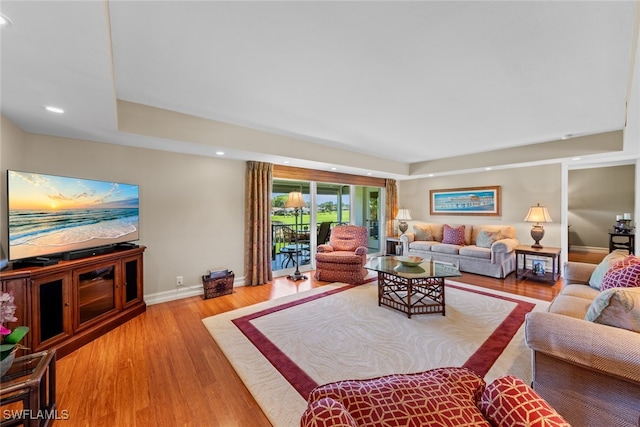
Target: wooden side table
x,y
626,241
28,391
392,241
538,271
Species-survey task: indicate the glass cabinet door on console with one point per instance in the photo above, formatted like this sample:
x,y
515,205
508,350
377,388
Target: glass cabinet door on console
x,y
95,293
51,310
132,292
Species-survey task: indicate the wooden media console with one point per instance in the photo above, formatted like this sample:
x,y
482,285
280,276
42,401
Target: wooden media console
x,y
71,303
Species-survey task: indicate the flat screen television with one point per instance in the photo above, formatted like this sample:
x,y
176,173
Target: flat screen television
x,y
52,215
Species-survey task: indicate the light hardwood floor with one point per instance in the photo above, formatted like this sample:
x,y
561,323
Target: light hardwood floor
x,y
164,369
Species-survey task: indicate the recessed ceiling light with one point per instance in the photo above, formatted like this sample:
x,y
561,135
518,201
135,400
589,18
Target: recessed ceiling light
x,y
220,153
430,175
5,21
369,173
333,169
286,162
53,109
576,158
487,169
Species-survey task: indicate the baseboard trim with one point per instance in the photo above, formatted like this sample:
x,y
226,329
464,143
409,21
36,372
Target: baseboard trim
x,y
588,249
184,292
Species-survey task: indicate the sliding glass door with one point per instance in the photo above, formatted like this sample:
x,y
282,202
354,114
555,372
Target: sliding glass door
x,y
326,205
290,228
368,212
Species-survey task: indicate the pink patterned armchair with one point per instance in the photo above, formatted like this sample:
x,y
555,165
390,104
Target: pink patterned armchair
x,y
437,398
343,258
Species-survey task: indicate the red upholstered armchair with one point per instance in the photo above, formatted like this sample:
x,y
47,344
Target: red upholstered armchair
x,y
343,258
438,398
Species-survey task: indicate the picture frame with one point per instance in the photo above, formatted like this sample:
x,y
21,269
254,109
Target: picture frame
x,y
538,267
479,201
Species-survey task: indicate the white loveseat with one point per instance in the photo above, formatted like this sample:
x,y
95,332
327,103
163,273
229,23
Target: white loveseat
x,y
487,249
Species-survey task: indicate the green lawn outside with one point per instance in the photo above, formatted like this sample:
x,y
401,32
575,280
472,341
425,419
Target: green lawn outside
x,y
305,218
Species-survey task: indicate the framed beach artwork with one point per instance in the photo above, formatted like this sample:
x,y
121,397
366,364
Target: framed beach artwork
x,y
484,201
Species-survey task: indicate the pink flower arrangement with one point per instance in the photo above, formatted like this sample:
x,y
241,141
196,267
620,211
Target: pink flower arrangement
x,y
9,338
7,312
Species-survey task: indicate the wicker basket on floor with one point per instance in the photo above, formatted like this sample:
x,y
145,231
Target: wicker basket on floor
x,y
217,287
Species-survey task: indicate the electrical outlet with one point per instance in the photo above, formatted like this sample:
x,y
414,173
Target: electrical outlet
x,y
179,281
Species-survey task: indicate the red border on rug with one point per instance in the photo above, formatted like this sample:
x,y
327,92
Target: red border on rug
x,y
480,362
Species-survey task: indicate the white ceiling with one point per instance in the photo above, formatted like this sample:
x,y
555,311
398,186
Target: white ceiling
x,y
405,81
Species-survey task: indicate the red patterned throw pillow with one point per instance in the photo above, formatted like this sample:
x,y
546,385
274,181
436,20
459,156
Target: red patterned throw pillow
x,y
509,402
623,274
327,412
453,236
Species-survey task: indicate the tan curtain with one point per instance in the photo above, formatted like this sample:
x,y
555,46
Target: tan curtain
x,y
257,260
391,206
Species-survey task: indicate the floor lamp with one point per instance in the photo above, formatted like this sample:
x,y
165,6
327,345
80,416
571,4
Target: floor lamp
x,y
296,202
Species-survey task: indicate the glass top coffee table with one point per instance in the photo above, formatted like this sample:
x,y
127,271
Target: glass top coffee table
x,y
412,289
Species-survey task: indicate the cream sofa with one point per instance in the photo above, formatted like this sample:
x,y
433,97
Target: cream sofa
x,y
496,260
588,371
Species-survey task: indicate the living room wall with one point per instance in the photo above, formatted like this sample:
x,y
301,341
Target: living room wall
x,y
595,197
11,153
191,207
520,187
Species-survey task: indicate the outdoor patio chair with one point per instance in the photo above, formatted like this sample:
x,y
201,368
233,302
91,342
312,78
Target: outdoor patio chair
x,y
323,232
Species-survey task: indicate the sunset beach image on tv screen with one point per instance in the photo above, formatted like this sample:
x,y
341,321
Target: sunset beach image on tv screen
x,y
53,214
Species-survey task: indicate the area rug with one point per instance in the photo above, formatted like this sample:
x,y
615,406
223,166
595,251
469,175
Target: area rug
x,y
283,348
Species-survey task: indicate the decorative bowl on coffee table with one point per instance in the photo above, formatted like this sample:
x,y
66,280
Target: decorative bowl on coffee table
x,y
409,261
